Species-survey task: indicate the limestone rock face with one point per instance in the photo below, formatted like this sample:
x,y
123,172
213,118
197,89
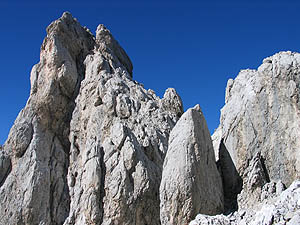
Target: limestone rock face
x,y
262,115
119,136
254,177
92,146
89,146
35,156
111,49
190,183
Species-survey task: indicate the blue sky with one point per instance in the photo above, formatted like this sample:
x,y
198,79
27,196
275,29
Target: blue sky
x,y
193,46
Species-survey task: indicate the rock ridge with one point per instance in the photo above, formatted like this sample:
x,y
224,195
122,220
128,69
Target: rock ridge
x,y
258,131
93,146
90,139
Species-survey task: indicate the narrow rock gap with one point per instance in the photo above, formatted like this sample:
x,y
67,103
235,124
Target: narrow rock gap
x,y
51,187
67,144
9,168
63,136
232,181
102,183
262,160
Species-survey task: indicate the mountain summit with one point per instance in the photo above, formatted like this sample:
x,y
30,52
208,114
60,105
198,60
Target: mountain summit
x,y
92,146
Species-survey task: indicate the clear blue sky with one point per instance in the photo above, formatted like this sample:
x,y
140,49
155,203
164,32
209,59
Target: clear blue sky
x,y
193,46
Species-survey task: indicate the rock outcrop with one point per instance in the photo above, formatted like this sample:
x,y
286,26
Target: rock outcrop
x,y
119,137
262,116
256,145
281,208
92,146
35,189
190,183
89,146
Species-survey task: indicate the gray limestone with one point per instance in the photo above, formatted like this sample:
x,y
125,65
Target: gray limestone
x,y
93,146
281,208
260,117
190,183
119,136
36,191
89,146
5,166
261,114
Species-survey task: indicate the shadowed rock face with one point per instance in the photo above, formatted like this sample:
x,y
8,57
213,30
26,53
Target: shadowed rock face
x,y
5,166
190,183
231,180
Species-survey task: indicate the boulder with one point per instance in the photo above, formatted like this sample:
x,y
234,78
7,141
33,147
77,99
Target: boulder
x,y
191,183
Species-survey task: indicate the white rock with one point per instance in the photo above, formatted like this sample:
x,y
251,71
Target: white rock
x,y
190,183
76,154
36,190
262,114
278,209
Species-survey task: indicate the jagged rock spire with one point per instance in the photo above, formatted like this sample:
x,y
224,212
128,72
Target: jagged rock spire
x,y
111,49
89,145
191,183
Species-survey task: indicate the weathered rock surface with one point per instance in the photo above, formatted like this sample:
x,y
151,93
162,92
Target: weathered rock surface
x,y
5,166
89,146
36,191
255,179
92,146
119,137
281,208
190,183
262,115
232,181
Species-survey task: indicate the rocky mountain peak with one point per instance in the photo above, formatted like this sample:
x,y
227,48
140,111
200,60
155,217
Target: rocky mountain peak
x,y
93,146
111,49
87,134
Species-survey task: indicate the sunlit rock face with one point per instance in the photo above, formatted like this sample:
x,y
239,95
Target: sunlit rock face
x,y
262,114
257,144
89,146
191,183
93,146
